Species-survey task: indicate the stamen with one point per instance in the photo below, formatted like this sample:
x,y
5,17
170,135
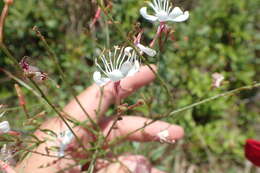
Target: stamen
x,y
121,62
115,52
110,60
160,4
167,7
120,55
100,68
152,6
155,4
103,58
164,5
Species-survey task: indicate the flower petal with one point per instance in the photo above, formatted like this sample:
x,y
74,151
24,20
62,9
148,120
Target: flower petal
x,y
176,12
135,68
4,127
115,75
126,66
127,50
146,50
67,138
143,12
177,15
99,80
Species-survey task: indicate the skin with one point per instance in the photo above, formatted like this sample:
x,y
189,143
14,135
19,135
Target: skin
x,y
90,101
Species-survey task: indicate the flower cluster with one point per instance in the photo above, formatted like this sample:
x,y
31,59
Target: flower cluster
x,y
124,61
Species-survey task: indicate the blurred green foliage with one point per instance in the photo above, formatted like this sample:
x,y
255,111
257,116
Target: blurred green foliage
x,y
220,36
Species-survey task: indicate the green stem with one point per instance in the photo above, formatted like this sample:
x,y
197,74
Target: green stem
x,y
171,113
57,111
53,55
21,82
7,52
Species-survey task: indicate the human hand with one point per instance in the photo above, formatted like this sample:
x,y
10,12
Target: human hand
x,y
90,100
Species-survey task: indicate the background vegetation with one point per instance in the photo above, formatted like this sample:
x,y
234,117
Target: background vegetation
x,y
220,36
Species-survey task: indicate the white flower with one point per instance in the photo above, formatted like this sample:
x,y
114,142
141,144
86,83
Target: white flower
x,y
164,12
148,51
117,65
4,127
217,79
66,138
164,137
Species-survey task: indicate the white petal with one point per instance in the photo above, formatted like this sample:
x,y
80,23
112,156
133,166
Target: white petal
x,y
96,75
135,68
115,75
163,134
126,66
67,138
176,12
143,12
127,50
99,80
61,152
146,50
4,127
178,16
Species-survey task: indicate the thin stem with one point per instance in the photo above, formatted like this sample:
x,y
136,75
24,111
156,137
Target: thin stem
x,y
58,112
7,52
43,154
53,55
100,103
2,21
234,91
171,113
21,82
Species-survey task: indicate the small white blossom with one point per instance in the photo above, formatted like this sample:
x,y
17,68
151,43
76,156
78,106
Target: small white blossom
x,y
121,63
164,137
4,127
148,51
65,139
217,79
164,12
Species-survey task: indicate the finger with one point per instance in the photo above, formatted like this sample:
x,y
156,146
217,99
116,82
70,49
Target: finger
x,y
127,163
149,133
90,99
6,167
155,170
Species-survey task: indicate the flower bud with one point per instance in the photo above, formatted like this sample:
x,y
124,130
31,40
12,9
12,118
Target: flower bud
x,y
4,127
217,80
140,102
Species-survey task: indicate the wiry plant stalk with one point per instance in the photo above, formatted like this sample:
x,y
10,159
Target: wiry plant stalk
x,y
171,113
2,21
53,55
58,113
9,74
21,98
